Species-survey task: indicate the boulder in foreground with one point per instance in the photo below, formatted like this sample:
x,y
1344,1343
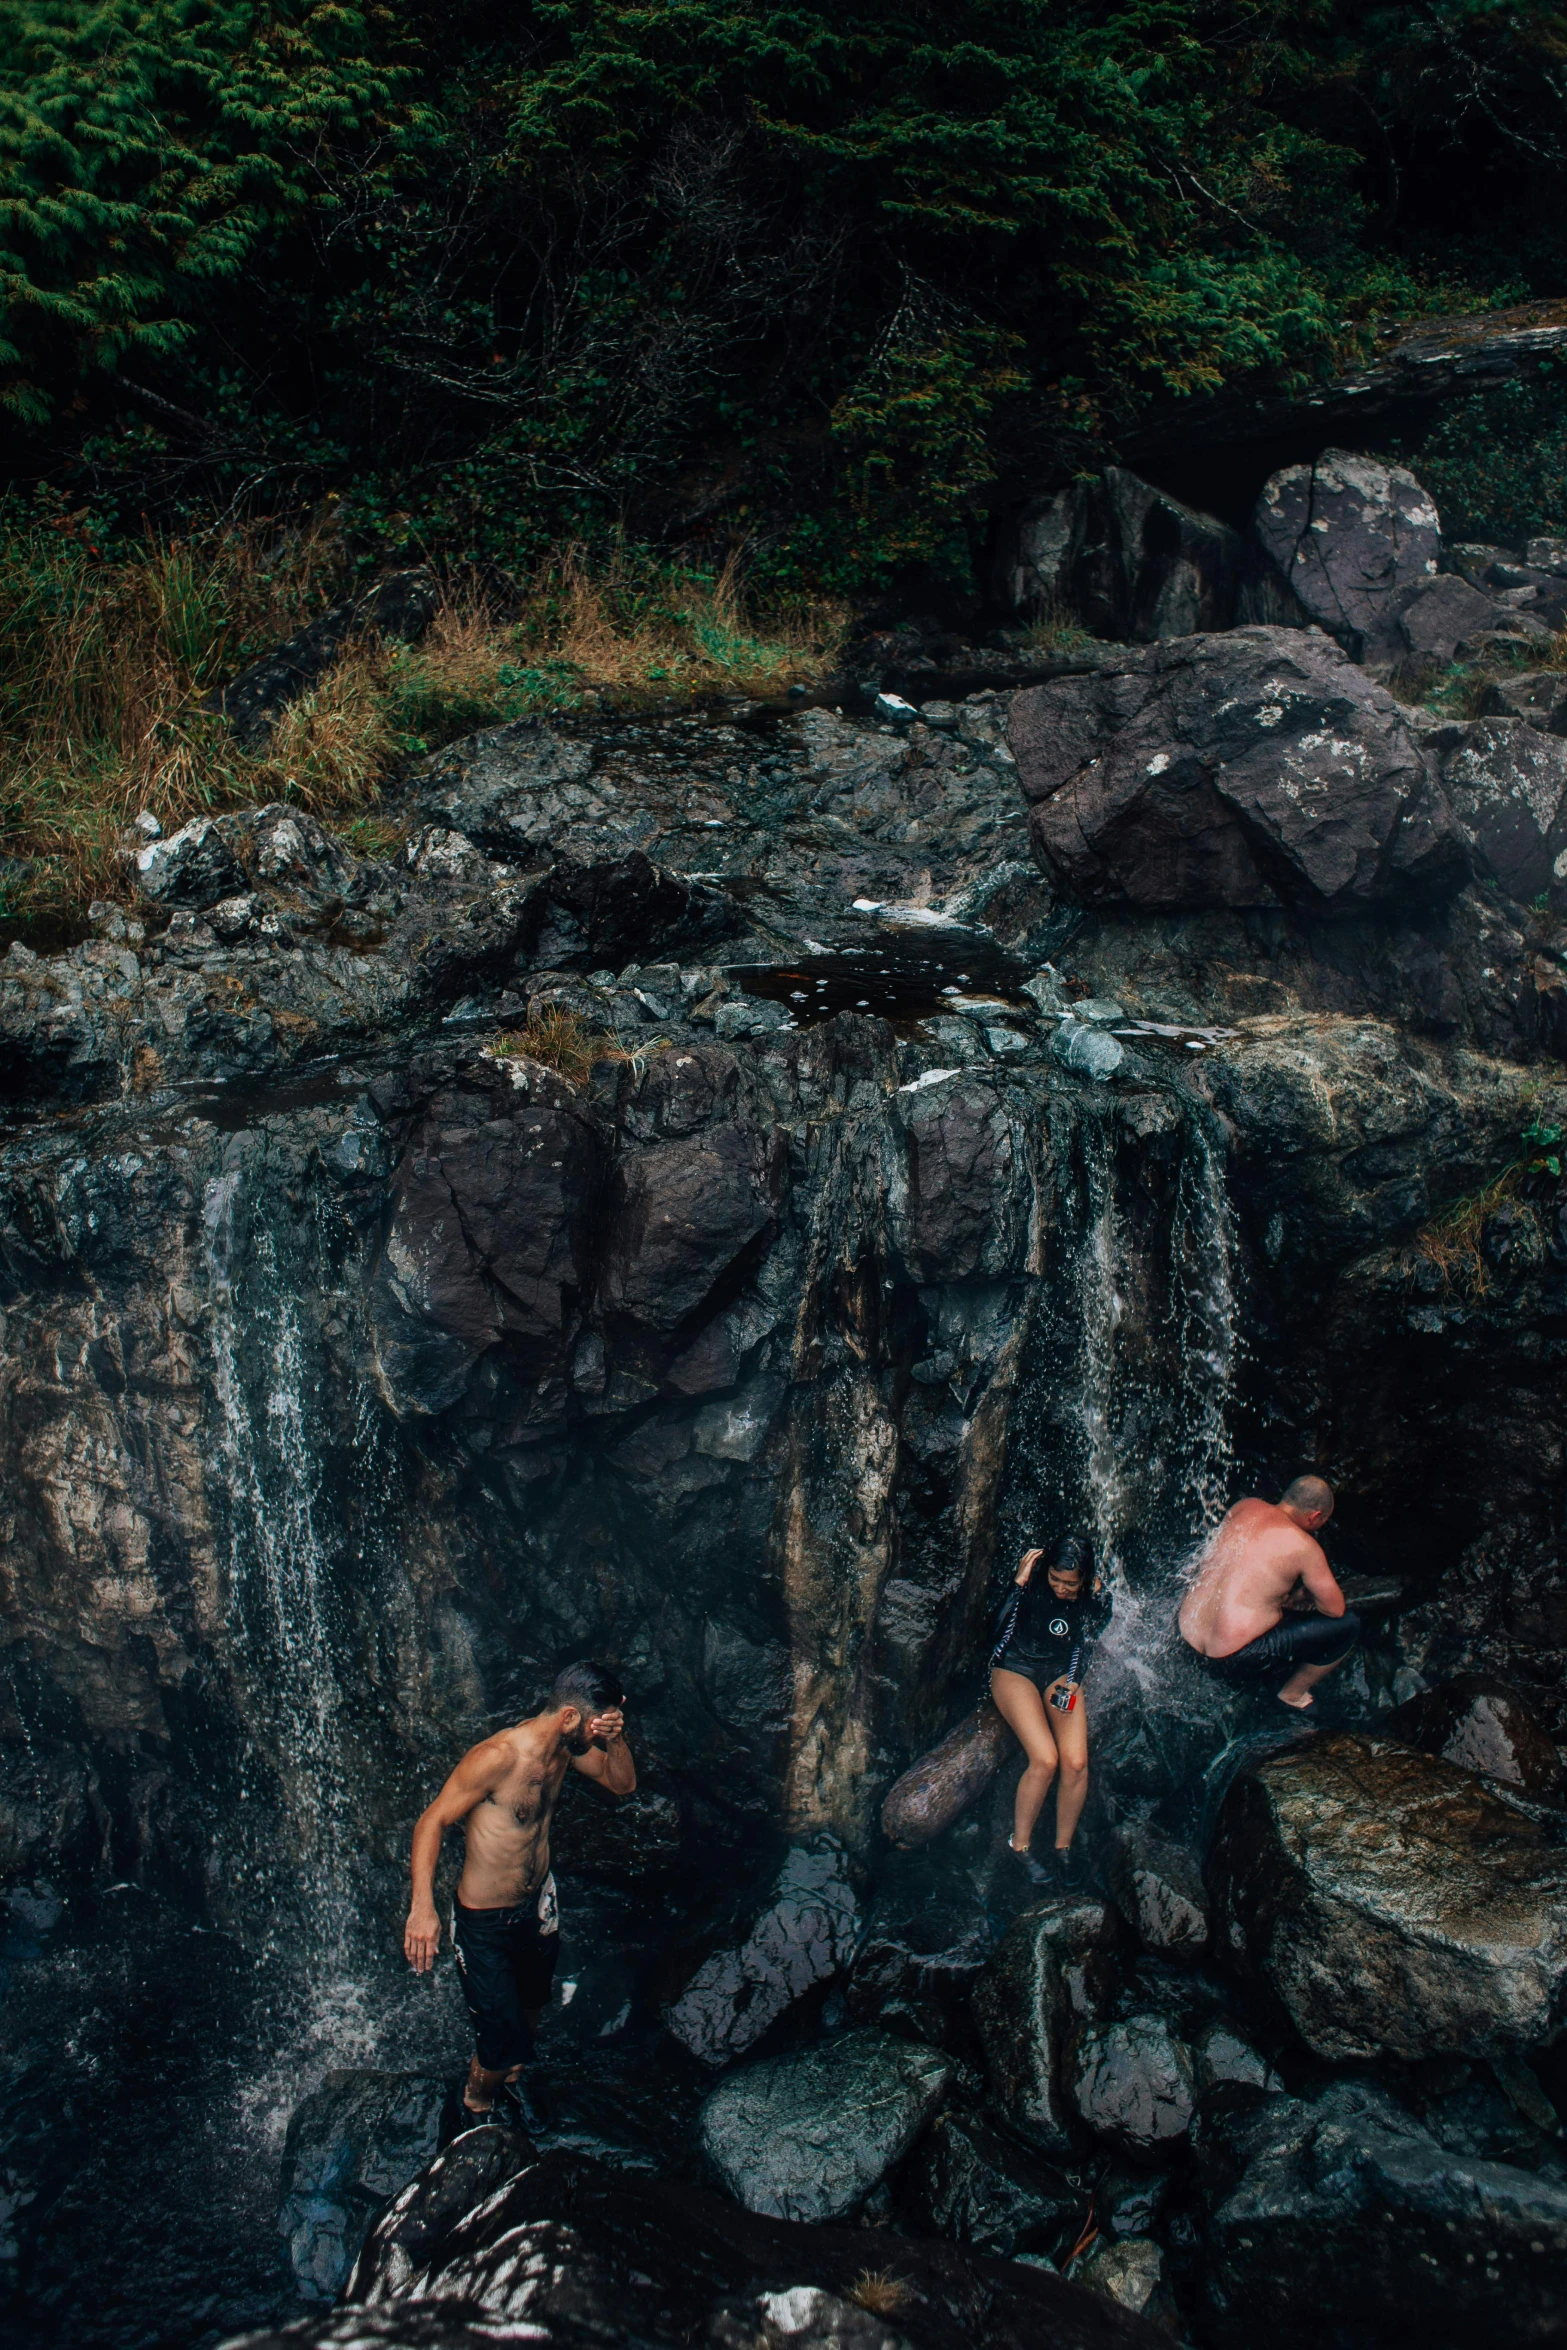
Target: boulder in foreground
x,y
571,2253
1394,1902
1345,2220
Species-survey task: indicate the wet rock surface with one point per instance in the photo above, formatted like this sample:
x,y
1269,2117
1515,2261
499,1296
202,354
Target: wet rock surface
x,y
1483,1724
974,2183
1158,1888
1345,2212
355,2143
1392,1901
577,2252
1133,2083
808,2136
807,1932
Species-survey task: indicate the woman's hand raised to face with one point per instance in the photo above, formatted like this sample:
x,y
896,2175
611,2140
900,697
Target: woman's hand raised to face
x,y
1027,1563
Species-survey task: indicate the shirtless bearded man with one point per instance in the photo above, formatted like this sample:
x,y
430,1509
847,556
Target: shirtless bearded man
x,y
506,1927
1245,1614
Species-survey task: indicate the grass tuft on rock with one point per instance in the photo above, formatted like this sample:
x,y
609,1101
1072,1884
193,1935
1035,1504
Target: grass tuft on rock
x,y
107,653
561,1040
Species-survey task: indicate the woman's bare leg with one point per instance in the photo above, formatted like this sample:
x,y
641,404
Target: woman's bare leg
x,y
1023,1710
1071,1736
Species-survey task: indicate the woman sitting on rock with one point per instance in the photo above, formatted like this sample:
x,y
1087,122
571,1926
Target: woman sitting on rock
x,y
1036,1672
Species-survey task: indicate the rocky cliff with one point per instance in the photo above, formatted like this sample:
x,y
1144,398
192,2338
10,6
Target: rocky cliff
x,y
720,1189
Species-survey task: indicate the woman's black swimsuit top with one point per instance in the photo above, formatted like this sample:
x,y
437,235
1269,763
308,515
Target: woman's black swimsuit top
x,y
1051,1627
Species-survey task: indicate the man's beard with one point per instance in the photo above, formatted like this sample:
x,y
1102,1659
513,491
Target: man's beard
x,y
577,1741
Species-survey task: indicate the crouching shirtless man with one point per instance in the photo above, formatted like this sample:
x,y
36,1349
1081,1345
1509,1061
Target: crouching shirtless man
x,y
506,1926
1265,1602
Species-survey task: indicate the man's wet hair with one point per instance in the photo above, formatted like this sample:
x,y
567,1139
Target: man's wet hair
x,y
1309,1493
591,1687
1074,1556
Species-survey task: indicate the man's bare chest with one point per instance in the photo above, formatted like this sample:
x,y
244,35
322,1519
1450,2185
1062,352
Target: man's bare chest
x,y
524,1799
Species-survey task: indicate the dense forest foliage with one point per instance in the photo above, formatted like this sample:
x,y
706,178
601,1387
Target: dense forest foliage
x,y
805,275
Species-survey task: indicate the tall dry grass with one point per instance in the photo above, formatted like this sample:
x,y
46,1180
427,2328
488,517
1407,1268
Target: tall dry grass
x,y
105,658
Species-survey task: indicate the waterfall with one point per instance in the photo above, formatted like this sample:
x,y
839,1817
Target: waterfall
x,y
1207,1324
278,1578
1123,1417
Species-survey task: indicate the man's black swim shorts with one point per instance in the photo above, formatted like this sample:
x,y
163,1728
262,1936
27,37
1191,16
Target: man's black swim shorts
x,y
506,1958
1295,1640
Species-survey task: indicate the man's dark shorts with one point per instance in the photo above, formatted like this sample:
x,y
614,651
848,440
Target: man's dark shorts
x,y
1295,1640
506,1958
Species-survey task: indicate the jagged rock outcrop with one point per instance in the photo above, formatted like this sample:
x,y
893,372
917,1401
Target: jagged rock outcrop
x,y
351,2146
804,1934
1482,1724
575,2251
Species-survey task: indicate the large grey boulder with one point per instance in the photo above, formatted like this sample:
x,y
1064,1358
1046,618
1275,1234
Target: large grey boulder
x,y
808,2136
1158,1888
1045,1972
804,1933
1344,2218
1506,784
1255,768
1394,1902
1351,535
357,2140
1133,2083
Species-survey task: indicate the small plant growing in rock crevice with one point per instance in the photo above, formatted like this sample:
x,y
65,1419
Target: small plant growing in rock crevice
x,y
879,2291
561,1040
1454,1242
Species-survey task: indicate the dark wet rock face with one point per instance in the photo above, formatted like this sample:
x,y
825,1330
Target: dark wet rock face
x,y
805,1933
1482,1724
809,2136
975,2184
356,2142
1133,2083
1392,1902
576,2253
1259,768
1158,1888
1052,1963
1346,2213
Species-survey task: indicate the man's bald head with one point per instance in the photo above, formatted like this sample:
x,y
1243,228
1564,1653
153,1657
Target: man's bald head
x,y
1310,1499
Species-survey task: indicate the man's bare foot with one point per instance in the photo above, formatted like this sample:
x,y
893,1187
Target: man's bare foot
x,y
1298,1705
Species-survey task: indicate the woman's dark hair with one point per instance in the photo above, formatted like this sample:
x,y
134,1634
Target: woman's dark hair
x,y
1074,1556
591,1687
